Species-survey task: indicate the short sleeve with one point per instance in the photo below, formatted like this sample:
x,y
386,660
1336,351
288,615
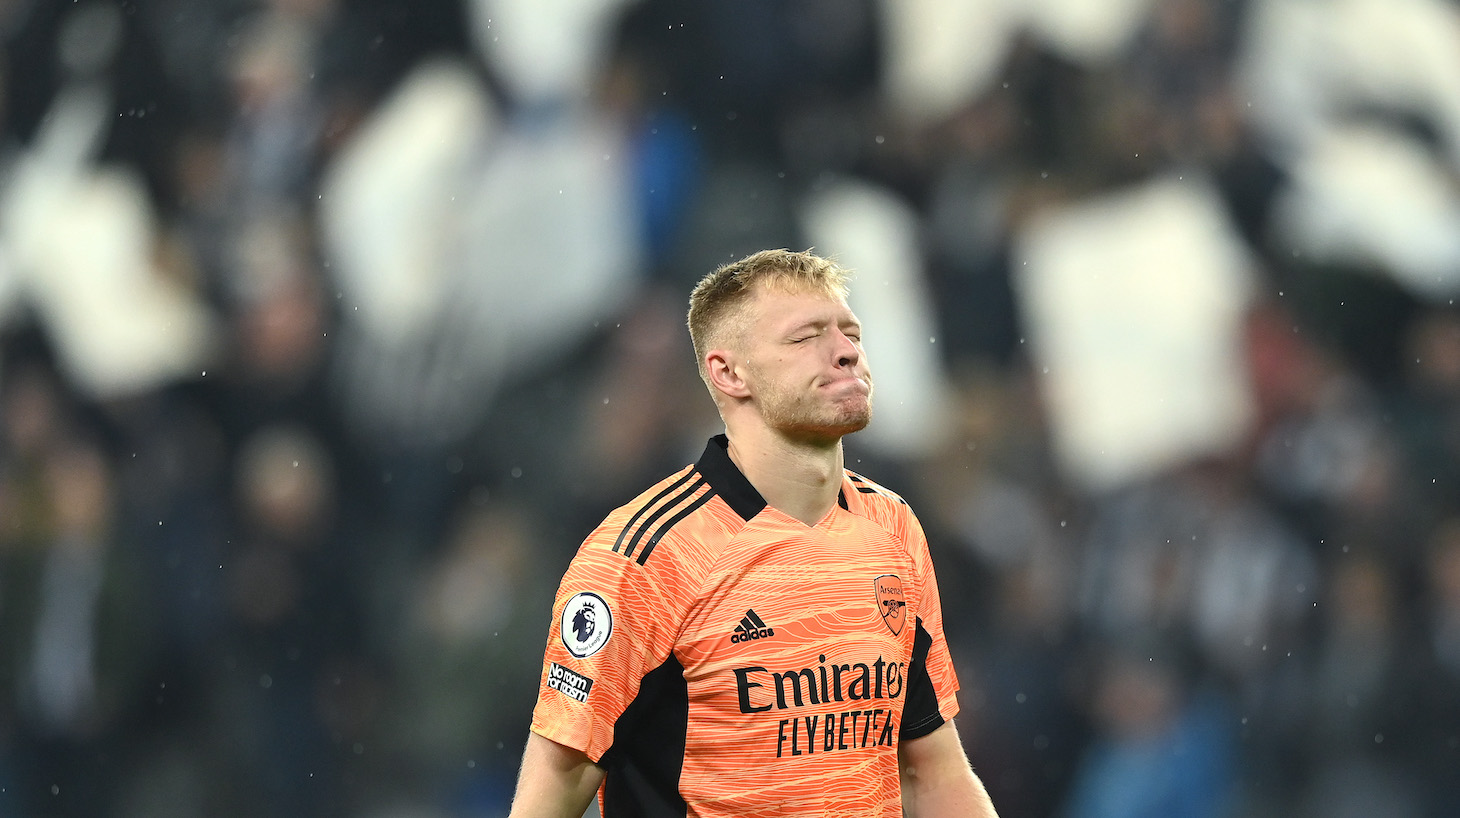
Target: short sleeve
x,y
613,621
932,684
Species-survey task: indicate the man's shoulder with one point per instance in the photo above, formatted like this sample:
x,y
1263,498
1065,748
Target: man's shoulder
x,y
878,504
681,511
874,493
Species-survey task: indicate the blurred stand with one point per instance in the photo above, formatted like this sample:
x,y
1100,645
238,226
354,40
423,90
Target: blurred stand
x,y
328,327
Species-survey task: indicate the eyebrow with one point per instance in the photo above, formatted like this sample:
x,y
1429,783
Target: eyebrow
x,y
818,324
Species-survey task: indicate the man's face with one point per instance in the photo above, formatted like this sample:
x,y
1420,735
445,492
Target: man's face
x,y
805,366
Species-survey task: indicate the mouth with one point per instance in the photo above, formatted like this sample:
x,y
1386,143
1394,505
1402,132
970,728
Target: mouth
x,y
850,383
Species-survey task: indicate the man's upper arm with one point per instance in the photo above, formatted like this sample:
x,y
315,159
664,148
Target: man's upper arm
x,y
936,659
937,781
613,622
555,781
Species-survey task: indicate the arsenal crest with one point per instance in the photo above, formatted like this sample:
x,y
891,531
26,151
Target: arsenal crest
x,y
891,604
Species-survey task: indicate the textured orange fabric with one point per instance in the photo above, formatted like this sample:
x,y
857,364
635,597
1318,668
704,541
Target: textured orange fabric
x,y
795,644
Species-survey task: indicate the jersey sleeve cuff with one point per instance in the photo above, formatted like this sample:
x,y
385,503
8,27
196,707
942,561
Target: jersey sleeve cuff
x,y
922,727
569,741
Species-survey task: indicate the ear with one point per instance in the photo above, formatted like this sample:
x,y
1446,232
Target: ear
x,y
725,374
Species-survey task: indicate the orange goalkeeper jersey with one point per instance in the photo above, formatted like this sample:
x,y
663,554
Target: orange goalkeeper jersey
x,y
717,657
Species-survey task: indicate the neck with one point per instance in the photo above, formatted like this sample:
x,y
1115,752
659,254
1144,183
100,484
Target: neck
x,y
799,478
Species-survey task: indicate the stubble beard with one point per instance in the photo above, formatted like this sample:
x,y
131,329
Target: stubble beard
x,y
803,416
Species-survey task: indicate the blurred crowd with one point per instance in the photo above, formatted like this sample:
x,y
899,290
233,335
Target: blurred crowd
x,y
328,328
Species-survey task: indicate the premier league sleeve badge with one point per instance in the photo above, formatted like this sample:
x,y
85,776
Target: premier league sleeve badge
x,y
586,624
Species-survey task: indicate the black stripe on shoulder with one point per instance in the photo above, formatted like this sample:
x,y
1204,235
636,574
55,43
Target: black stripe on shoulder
x,y
864,488
655,499
669,504
668,524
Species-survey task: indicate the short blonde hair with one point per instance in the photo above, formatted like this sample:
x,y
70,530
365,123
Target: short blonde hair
x,y
719,298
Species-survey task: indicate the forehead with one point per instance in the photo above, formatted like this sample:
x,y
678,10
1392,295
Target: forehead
x,y
776,305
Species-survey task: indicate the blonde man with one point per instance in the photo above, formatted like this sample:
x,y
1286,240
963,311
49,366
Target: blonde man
x,y
760,633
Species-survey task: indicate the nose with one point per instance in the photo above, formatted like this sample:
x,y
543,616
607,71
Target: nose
x,y
847,351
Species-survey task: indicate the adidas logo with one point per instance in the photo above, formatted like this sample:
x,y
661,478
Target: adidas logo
x,y
751,627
